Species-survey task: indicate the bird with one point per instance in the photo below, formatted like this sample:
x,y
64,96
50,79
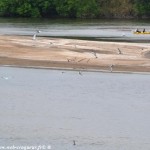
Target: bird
x,y
74,142
34,36
68,60
111,68
5,78
80,73
94,53
119,51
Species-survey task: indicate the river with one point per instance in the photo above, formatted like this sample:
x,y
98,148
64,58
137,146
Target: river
x,y
111,30
100,111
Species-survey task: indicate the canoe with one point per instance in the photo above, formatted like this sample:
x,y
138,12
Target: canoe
x,y
141,32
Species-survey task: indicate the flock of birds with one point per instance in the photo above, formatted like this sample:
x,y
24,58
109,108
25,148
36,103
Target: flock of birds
x,y
95,55
93,52
69,60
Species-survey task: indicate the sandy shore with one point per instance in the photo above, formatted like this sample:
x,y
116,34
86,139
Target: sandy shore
x,y
74,54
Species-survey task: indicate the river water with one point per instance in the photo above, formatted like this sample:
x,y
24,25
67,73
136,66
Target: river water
x,y
111,30
100,111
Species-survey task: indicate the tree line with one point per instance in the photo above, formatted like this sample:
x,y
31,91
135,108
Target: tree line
x,y
75,8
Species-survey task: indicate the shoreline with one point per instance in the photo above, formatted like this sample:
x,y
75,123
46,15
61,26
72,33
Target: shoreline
x,y
74,70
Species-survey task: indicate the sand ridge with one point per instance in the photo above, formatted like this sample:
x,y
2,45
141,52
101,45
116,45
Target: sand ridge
x,y
75,54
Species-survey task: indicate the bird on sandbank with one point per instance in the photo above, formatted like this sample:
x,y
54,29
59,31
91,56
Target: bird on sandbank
x,y
95,54
119,51
111,68
37,32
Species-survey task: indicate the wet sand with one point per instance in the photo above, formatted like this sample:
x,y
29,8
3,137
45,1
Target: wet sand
x,y
72,54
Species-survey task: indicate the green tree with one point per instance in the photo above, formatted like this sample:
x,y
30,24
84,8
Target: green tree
x,y
47,8
88,9
27,8
66,8
77,8
142,7
7,7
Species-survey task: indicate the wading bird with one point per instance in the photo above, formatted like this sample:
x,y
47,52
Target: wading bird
x,y
111,68
74,142
34,36
94,53
119,51
80,73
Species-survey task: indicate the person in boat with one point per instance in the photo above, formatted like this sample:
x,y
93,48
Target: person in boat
x,y
137,30
143,30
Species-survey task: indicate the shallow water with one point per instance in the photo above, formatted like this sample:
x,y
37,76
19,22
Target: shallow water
x,y
105,111
112,30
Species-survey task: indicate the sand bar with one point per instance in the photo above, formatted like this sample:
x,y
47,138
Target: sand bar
x,y
74,54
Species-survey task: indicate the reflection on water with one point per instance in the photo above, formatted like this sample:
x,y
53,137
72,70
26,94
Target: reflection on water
x,y
93,29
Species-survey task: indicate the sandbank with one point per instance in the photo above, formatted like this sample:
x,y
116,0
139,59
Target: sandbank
x,y
45,52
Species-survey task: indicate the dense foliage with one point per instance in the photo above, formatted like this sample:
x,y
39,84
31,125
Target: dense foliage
x,y
75,8
142,7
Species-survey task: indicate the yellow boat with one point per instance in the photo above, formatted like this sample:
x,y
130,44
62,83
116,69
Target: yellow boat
x,y
141,32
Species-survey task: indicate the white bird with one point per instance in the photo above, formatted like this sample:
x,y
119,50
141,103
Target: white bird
x,y
5,78
111,68
34,36
94,53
